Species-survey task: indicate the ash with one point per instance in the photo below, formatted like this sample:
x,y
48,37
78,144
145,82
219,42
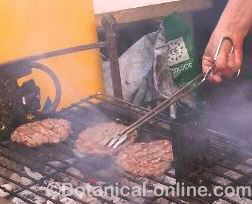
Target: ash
x,y
50,191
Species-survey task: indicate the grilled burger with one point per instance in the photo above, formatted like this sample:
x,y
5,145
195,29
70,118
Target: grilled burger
x,y
146,159
48,131
91,140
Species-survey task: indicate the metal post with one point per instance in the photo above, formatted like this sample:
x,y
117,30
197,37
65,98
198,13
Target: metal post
x,y
109,24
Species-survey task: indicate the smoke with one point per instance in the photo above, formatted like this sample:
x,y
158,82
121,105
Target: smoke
x,y
229,110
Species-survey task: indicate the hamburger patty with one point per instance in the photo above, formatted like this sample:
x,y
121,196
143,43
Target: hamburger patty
x,y
48,131
91,140
146,159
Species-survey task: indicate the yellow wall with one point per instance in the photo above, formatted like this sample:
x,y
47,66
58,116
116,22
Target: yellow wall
x,y
34,26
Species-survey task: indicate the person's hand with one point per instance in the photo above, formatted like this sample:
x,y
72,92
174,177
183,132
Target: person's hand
x,y
235,23
228,62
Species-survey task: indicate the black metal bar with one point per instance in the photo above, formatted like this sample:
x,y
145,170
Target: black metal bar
x,y
35,182
217,184
139,109
57,170
120,103
169,198
210,171
67,165
17,196
63,171
55,53
232,169
109,24
28,189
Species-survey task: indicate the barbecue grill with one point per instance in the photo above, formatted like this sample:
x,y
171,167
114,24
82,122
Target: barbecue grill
x,y
203,156
217,163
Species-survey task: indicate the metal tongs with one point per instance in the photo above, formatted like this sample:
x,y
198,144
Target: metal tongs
x,y
120,138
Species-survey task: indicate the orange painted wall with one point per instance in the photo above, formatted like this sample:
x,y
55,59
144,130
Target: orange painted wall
x,y
31,27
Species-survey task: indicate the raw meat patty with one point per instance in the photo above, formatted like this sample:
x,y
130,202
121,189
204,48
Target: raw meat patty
x,y
146,159
90,140
48,131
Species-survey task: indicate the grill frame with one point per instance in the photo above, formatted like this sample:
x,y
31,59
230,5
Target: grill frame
x,y
132,112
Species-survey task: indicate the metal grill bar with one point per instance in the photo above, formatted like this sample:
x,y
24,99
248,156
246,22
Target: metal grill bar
x,y
62,170
55,53
15,195
78,111
25,188
47,176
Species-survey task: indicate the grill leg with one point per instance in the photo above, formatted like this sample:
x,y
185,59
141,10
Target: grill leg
x,y
109,23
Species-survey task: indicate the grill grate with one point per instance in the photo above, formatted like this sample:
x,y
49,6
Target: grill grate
x,y
58,164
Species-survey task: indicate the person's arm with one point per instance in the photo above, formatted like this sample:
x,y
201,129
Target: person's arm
x,y
234,23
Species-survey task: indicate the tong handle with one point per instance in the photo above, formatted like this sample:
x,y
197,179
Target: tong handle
x,y
220,45
180,93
